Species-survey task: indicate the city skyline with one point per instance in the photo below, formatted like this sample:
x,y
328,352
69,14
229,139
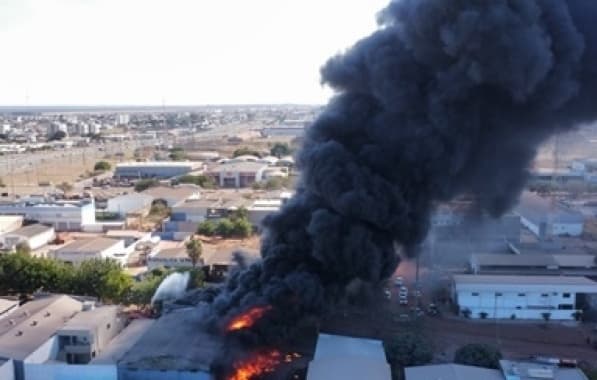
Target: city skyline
x,y
87,52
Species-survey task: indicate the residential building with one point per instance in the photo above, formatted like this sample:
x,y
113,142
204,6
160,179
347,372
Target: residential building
x,y
451,372
34,235
154,169
27,329
237,174
546,218
96,248
130,203
62,215
347,358
174,195
520,297
10,223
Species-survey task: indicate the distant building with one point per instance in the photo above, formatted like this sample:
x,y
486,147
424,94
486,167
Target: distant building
x,y
545,218
122,119
171,258
156,169
237,174
62,215
346,358
27,329
451,372
35,236
130,203
97,248
10,223
534,264
529,370
174,195
520,297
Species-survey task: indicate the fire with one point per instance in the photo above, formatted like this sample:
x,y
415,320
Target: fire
x,y
248,318
257,365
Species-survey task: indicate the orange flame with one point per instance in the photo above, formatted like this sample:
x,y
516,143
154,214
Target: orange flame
x,y
257,365
248,318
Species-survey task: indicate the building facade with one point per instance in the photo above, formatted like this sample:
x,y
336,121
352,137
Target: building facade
x,y
87,249
62,215
35,236
157,169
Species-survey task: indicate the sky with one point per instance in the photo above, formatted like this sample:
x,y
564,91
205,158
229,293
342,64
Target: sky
x,y
174,52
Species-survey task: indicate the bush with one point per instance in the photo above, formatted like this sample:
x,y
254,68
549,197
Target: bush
x,y
102,166
408,349
480,355
280,149
244,151
207,228
225,228
145,184
177,154
242,228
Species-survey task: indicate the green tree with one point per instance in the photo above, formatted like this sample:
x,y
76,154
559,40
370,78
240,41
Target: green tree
x,y
477,354
244,151
141,292
102,278
23,274
194,250
280,149
145,184
207,228
241,227
408,349
239,213
177,154
224,227
23,248
102,166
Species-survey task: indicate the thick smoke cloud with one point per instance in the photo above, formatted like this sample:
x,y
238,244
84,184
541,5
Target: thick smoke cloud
x,y
447,97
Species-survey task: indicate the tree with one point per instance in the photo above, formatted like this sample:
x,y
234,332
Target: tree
x,y
194,250
207,228
145,184
239,213
65,187
102,166
177,154
280,149
224,227
23,248
57,136
408,349
478,354
142,291
102,278
241,227
244,151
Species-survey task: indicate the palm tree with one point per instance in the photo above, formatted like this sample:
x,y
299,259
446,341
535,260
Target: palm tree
x,y
194,251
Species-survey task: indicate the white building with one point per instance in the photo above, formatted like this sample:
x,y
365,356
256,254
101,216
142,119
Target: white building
x,y
170,258
129,203
238,174
62,215
174,195
545,218
86,249
155,169
10,223
520,297
123,119
35,236
346,358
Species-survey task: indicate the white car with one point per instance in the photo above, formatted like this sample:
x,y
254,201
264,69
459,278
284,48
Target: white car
x,y
399,281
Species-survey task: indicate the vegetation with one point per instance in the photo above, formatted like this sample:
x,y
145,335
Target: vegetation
x,y
145,184
106,215
104,279
477,354
280,149
274,183
194,250
199,180
244,151
23,248
408,349
177,154
236,225
102,166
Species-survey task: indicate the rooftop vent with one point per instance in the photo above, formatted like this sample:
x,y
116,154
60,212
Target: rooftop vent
x,y
34,323
19,333
47,314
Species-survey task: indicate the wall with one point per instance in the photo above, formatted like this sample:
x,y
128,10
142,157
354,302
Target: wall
x,y
572,229
145,374
534,228
53,371
42,239
128,203
7,371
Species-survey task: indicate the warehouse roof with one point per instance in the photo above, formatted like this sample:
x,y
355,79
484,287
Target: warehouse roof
x,y
451,372
31,230
245,167
541,210
162,164
122,343
89,245
550,261
91,319
180,192
516,370
514,283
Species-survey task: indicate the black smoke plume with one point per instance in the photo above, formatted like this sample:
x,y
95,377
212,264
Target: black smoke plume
x,y
447,97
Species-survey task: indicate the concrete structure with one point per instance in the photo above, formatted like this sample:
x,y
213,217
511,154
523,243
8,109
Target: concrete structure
x,y
155,169
520,297
175,348
237,174
171,258
62,215
26,330
96,248
130,203
534,264
451,372
7,306
35,236
174,195
544,218
346,358
518,370
10,223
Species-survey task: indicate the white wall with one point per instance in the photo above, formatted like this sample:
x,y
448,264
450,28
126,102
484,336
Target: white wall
x,y
7,371
128,203
78,257
572,229
534,228
62,371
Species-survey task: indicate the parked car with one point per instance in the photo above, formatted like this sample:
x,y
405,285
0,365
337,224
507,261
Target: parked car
x,y
387,293
399,281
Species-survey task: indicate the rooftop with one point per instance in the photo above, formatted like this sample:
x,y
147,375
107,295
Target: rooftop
x,y
225,256
244,166
181,192
541,210
513,283
171,253
451,372
33,323
90,319
175,342
89,245
166,164
123,342
31,230
552,261
513,370
6,305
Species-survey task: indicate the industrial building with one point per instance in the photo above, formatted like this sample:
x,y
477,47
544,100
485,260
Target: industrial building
x,y
154,169
545,217
451,372
35,236
237,174
170,258
174,195
97,248
347,358
130,203
62,215
10,223
520,297
534,264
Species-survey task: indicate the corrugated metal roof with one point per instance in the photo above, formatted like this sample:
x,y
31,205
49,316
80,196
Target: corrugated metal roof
x,y
451,372
89,245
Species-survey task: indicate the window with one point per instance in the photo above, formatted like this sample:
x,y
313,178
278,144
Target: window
x,y
521,294
544,295
498,294
475,294
566,295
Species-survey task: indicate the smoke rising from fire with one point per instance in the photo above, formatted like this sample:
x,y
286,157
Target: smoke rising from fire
x,y
447,97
